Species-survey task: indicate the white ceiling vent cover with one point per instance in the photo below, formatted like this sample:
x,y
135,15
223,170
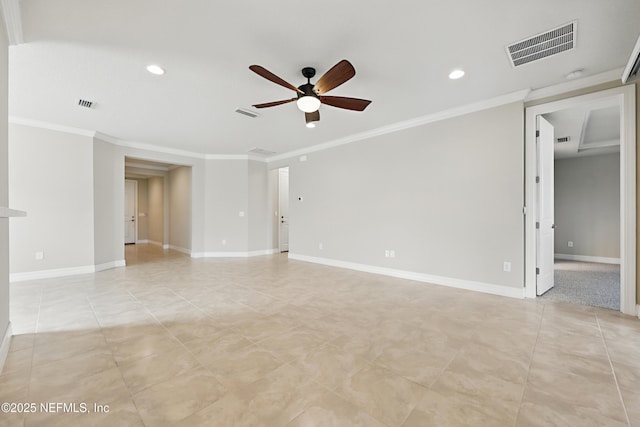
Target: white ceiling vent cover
x,y
247,112
84,103
543,45
261,152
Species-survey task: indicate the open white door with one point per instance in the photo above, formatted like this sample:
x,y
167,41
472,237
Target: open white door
x,y
545,218
283,208
130,202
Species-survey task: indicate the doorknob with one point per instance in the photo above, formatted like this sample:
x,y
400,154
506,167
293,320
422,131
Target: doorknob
x,y
553,226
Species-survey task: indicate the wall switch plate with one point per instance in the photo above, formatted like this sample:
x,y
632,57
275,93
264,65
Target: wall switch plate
x,y
303,158
386,254
39,255
392,254
506,266
241,213
224,242
570,243
320,246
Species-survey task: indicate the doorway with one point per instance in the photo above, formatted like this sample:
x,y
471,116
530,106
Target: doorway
x,y
130,209
283,209
624,99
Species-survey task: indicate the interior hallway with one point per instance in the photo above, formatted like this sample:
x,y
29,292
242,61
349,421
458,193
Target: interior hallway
x,y
171,340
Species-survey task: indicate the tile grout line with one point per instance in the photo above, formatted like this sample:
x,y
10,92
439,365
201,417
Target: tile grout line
x,y
615,377
526,379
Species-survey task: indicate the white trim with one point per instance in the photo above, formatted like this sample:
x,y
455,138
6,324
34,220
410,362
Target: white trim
x,y
135,208
142,242
626,99
587,258
564,87
487,288
179,249
47,274
50,126
155,243
11,213
406,124
155,148
638,310
109,265
226,156
235,254
5,346
13,21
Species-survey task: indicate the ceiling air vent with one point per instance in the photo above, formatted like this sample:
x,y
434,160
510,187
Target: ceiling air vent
x,y
247,112
543,45
84,103
563,139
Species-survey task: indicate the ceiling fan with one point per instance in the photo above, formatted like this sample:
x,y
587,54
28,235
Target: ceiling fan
x,y
310,96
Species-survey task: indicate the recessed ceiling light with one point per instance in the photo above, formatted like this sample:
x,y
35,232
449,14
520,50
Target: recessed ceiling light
x,y
155,69
456,74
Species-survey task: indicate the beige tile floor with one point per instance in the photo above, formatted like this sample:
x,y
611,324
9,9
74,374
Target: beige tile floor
x,y
267,341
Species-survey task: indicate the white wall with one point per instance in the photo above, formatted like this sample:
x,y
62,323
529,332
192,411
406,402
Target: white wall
x,y
587,206
51,177
108,184
447,197
180,208
259,221
226,196
4,195
155,213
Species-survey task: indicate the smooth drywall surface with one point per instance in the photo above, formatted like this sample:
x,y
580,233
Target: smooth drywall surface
x,y
4,186
51,177
587,206
259,219
226,206
108,177
143,209
155,214
446,197
180,208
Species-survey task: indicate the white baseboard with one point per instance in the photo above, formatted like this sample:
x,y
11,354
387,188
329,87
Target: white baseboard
x,y
487,288
108,265
142,242
233,254
154,243
62,272
586,258
638,310
179,249
4,346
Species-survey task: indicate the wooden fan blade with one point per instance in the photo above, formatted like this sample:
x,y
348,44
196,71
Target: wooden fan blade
x,y
354,104
312,117
274,103
263,72
340,73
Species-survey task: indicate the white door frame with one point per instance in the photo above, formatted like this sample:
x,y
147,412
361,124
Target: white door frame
x,y
135,207
281,243
626,99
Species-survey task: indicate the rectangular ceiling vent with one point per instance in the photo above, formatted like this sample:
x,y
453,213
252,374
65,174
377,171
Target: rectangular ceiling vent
x,y
84,103
261,152
543,45
247,112
563,139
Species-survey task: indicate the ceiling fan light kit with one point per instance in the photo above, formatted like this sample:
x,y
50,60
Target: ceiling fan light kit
x,y
311,96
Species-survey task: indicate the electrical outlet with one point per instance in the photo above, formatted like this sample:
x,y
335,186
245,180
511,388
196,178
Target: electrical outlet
x,y
320,246
241,213
224,242
39,255
506,266
570,243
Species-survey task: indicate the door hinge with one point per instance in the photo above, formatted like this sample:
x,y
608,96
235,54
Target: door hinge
x,y
537,134
537,270
537,180
524,210
537,225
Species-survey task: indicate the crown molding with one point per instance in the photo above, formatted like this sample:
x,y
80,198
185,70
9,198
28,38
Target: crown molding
x,y
156,148
51,126
12,20
564,87
226,156
411,123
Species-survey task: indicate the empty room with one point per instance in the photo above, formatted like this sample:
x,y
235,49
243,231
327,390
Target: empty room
x,y
273,214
